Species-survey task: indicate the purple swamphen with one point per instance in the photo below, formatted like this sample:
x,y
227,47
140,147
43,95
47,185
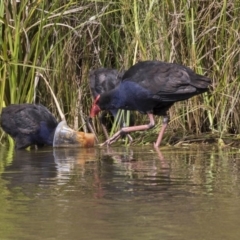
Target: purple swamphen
x,y
151,87
29,124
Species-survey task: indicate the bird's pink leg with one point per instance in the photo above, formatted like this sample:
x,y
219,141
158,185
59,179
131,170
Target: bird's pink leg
x,y
160,135
117,135
105,131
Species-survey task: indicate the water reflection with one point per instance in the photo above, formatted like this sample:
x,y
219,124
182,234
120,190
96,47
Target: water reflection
x,y
127,175
124,173
121,193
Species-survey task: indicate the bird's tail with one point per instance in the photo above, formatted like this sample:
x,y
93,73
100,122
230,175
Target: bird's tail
x,y
202,83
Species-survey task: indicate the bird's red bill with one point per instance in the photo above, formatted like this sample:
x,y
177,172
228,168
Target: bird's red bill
x,y
95,108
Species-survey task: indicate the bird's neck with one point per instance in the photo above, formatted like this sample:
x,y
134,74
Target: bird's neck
x,y
111,100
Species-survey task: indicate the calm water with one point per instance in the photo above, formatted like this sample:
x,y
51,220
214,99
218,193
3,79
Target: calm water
x,y
120,193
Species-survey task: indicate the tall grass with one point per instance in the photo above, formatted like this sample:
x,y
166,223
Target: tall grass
x,y
63,40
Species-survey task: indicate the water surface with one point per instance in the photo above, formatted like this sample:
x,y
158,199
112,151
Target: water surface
x,y
120,193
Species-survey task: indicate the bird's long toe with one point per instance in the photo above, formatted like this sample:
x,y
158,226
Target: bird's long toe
x,y
112,139
129,138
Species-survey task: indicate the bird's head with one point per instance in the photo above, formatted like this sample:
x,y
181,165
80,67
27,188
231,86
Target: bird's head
x,y
95,108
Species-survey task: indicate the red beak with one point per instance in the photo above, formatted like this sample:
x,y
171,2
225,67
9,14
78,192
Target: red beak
x,y
95,108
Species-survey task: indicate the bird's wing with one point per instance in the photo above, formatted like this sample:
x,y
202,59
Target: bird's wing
x,y
26,118
165,81
11,118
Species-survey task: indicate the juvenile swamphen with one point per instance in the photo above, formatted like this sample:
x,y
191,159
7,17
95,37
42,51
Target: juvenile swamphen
x,y
103,80
29,124
151,87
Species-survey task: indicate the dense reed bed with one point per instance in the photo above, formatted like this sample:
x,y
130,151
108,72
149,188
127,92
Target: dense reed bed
x,y
62,40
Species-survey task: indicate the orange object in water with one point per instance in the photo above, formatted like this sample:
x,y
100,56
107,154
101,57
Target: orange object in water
x,y
66,137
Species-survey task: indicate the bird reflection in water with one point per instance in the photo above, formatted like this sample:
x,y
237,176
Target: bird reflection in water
x,y
128,173
117,173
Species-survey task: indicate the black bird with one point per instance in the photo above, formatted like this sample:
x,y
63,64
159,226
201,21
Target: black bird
x,y
29,124
151,87
103,80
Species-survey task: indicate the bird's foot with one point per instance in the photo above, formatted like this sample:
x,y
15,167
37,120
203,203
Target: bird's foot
x,y
129,138
112,139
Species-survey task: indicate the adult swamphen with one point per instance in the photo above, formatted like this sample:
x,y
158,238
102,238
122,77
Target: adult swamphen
x,y
103,80
29,124
151,87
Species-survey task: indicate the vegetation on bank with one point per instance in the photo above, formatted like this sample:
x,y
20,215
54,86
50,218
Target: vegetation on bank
x,y
62,40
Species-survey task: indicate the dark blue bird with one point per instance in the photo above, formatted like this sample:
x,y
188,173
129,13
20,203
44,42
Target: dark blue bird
x,y
29,124
151,87
103,80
